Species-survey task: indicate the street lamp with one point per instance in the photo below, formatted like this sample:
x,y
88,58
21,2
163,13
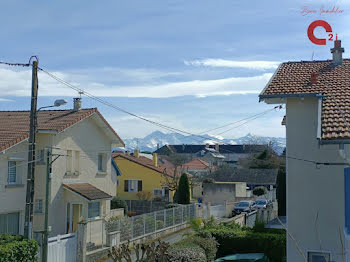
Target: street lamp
x,y
57,103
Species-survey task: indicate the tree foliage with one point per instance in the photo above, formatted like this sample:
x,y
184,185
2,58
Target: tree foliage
x,y
264,160
184,190
259,191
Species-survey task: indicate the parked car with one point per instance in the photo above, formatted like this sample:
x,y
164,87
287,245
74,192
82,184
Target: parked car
x,y
261,204
242,206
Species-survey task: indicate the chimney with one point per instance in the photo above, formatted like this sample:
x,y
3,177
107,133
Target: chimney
x,y
207,145
313,78
136,153
337,52
77,103
155,159
217,147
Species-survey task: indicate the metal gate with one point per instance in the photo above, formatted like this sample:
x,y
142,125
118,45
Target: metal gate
x,y
63,248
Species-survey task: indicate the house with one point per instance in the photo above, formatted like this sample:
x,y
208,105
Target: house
x,y
139,173
196,167
82,183
213,154
316,95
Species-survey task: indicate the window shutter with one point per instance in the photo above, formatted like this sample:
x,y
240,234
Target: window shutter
x,y
347,198
126,185
139,186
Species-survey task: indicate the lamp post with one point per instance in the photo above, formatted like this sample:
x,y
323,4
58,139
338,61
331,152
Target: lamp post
x,y
57,103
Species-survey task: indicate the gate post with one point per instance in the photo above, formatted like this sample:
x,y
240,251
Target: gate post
x,y
81,241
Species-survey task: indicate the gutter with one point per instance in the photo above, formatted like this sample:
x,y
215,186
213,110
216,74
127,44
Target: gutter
x,y
319,117
262,97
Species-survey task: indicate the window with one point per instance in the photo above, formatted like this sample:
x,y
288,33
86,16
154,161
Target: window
x,y
69,159
9,223
102,162
12,172
133,185
94,210
77,161
38,206
318,256
158,192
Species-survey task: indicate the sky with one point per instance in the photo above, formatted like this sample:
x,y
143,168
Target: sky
x,y
192,65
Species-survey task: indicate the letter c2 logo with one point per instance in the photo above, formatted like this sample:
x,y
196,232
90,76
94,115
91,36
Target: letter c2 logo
x,y
313,38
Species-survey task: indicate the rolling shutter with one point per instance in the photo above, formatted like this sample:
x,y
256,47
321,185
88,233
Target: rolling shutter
x,y
126,185
347,198
139,186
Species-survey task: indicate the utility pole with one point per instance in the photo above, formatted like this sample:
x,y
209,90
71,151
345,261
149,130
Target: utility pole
x,y
47,200
31,154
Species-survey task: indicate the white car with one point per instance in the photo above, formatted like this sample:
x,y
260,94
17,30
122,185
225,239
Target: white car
x,y
261,204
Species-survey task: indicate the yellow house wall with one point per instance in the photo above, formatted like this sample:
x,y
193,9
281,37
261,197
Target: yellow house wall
x,y
131,170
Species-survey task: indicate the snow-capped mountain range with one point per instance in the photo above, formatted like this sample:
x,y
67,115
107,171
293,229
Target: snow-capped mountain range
x,y
159,139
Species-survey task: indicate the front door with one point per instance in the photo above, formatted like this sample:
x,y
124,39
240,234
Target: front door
x,y
74,214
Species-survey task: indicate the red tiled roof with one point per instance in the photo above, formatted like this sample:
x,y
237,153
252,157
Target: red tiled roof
x,y
14,126
196,164
146,162
88,191
333,82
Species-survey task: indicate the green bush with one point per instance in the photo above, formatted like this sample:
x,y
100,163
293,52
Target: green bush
x,y
244,240
194,248
184,190
17,249
117,202
259,191
185,251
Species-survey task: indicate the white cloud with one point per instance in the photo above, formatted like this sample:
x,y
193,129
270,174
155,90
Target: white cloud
x,y
257,65
18,83
6,100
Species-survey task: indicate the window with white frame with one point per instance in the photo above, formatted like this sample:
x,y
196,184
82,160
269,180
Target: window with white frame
x,y
69,159
9,223
38,206
133,185
94,209
77,161
158,192
12,172
318,256
102,163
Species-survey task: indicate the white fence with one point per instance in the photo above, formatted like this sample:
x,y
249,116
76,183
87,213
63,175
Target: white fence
x,y
62,248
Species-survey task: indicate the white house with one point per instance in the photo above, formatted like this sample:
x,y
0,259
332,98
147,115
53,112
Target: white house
x,y
316,94
82,182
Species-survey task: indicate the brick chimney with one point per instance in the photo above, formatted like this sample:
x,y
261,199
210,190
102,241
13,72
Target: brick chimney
x,y
313,78
136,153
77,103
337,52
155,159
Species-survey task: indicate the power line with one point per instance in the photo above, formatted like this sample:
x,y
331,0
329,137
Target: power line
x,y
14,64
169,128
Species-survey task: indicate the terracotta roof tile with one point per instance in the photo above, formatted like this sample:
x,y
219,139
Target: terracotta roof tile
x,y
332,81
196,164
88,191
14,126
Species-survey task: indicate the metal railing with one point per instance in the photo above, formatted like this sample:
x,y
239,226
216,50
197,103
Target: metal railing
x,y
137,226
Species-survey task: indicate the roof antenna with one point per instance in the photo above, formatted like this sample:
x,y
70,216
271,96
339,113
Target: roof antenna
x,y
312,56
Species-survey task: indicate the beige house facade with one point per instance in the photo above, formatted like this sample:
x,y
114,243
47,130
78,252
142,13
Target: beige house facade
x,y
81,179
317,155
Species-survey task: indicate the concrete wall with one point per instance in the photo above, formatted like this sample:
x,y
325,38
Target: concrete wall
x,y
217,193
315,195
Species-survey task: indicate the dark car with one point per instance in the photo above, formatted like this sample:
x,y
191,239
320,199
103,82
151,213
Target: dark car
x,y
261,204
242,206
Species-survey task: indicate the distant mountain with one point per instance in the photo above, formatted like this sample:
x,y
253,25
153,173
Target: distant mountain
x,y
157,138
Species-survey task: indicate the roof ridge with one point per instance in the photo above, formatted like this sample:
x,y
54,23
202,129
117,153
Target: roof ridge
x,y
59,110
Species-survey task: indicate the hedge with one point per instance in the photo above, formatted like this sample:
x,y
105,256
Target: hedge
x,y
17,249
245,240
117,202
194,248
